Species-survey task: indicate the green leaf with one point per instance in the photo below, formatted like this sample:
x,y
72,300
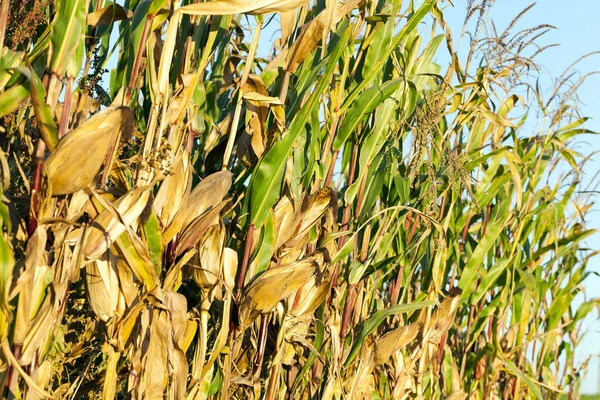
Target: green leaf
x,y
470,272
362,107
490,278
265,185
410,26
265,251
67,37
11,99
46,124
533,385
138,258
153,236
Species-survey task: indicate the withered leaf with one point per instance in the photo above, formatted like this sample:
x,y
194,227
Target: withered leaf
x,y
209,193
75,162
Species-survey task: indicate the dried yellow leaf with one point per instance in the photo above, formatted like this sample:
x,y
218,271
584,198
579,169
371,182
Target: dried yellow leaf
x,y
209,193
75,162
107,227
231,7
393,341
262,295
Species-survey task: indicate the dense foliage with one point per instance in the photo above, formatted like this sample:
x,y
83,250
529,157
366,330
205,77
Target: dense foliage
x,y
344,218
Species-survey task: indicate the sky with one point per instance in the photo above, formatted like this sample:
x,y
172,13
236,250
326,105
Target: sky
x,y
577,33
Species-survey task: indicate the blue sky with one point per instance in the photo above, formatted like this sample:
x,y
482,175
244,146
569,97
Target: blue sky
x,y
577,33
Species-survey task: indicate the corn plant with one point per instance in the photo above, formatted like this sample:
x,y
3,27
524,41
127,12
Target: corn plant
x,y
343,218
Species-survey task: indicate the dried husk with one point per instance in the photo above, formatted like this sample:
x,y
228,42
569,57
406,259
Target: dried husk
x,y
393,341
75,162
106,228
263,294
209,193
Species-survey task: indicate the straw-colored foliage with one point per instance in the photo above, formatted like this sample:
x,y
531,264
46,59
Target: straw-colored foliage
x,y
346,217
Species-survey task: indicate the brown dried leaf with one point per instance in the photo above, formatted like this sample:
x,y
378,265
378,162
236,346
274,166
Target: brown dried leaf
x,y
113,221
287,219
75,162
208,271
174,189
196,229
443,316
312,32
263,294
315,207
108,14
231,7
209,193
179,103
257,110
286,23
102,284
393,341
313,293
230,266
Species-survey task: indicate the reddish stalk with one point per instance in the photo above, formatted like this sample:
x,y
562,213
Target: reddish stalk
x,y
331,168
66,110
465,230
395,291
326,151
487,219
350,298
3,20
463,363
239,284
12,380
35,189
262,343
170,253
440,355
272,381
413,230
347,212
138,59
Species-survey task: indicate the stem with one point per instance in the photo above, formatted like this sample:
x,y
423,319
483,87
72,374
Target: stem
x,y
463,362
273,381
348,307
3,21
327,149
440,355
262,343
66,111
239,284
170,253
331,168
284,87
238,106
465,230
37,179
110,378
12,381
138,59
